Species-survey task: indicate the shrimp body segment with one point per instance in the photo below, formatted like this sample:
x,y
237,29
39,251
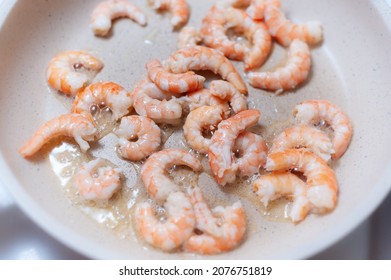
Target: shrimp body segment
x,y
189,36
106,11
175,230
203,118
70,125
275,185
288,77
286,31
221,155
146,132
179,9
315,111
304,136
223,227
227,92
97,181
204,58
71,71
154,171
323,186
175,83
112,95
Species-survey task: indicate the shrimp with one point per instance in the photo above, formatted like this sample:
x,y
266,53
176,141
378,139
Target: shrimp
x,y
97,181
306,136
70,125
203,118
175,230
289,76
147,137
256,10
275,185
214,29
179,9
285,31
189,36
226,91
221,156
315,111
223,228
175,83
109,94
323,187
150,101
204,58
106,11
153,172
71,71
253,151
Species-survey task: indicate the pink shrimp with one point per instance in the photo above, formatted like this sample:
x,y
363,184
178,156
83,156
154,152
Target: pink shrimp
x,y
106,11
189,36
179,9
70,125
227,92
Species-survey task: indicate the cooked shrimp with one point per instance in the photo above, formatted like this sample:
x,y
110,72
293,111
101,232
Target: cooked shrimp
x,y
275,185
286,31
175,83
175,230
256,10
221,156
323,186
71,71
204,58
150,101
70,125
97,181
315,111
214,29
153,172
106,11
109,94
189,36
304,136
179,9
253,151
226,91
146,134
233,3
203,118
289,76
223,228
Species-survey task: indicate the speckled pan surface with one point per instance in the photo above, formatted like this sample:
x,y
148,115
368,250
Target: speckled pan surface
x,y
351,68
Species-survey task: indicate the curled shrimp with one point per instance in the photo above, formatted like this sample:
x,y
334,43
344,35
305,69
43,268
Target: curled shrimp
x,y
71,71
70,125
98,181
253,151
223,228
153,172
275,185
146,134
106,11
285,31
175,83
289,76
316,111
109,94
323,187
204,58
302,136
175,230
198,120
221,155
179,9
150,101
227,92
189,36
214,29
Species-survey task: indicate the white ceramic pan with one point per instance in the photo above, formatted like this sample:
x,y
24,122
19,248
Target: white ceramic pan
x,y
351,68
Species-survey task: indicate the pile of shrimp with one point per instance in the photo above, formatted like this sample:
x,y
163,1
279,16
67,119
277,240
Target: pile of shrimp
x,y
172,94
